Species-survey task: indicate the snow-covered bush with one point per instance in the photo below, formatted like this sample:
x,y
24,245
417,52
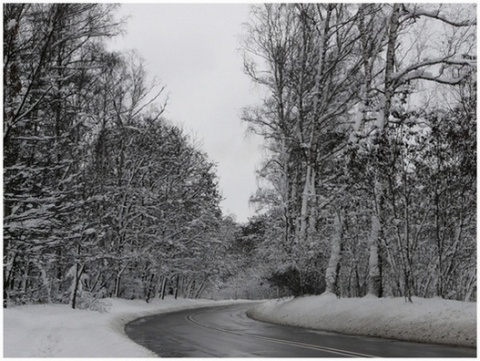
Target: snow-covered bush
x,y
90,301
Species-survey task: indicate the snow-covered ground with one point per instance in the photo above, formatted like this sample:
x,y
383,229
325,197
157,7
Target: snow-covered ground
x,y
59,331
425,320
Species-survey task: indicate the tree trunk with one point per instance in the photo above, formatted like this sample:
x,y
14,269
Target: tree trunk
x,y
202,287
176,286
7,278
45,280
191,288
471,284
117,281
158,285
304,210
25,277
150,288
164,287
375,277
331,274
76,281
95,283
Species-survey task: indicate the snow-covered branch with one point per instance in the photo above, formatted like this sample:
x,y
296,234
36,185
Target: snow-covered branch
x,y
441,79
419,70
436,14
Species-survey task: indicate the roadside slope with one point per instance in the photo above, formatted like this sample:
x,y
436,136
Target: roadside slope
x,y
425,320
59,331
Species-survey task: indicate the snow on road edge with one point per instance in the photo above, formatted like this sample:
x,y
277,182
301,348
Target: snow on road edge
x,y
59,331
425,320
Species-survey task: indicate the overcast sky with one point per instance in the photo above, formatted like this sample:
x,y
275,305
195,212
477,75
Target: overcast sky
x,y
193,50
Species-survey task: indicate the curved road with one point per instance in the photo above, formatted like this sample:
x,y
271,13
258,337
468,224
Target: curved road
x,y
226,331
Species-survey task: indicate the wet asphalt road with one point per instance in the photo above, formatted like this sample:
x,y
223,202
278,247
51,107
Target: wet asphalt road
x,y
226,331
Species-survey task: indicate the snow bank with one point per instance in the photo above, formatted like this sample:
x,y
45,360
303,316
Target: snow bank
x,y
59,331
424,320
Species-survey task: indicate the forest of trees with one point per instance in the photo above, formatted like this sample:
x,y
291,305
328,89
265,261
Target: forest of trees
x,y
102,196
368,185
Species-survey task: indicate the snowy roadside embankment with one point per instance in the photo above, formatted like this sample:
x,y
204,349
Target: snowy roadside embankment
x,y
425,320
59,331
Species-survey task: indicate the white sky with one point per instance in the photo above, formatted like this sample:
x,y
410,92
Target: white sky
x,y
193,49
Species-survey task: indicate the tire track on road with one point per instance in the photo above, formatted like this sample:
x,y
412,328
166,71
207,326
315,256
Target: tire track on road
x,y
276,340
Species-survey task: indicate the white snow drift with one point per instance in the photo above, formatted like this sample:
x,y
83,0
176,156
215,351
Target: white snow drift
x,y
425,320
59,331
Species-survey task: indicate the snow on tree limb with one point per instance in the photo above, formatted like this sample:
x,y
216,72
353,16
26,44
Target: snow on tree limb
x,y
436,14
416,72
425,75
